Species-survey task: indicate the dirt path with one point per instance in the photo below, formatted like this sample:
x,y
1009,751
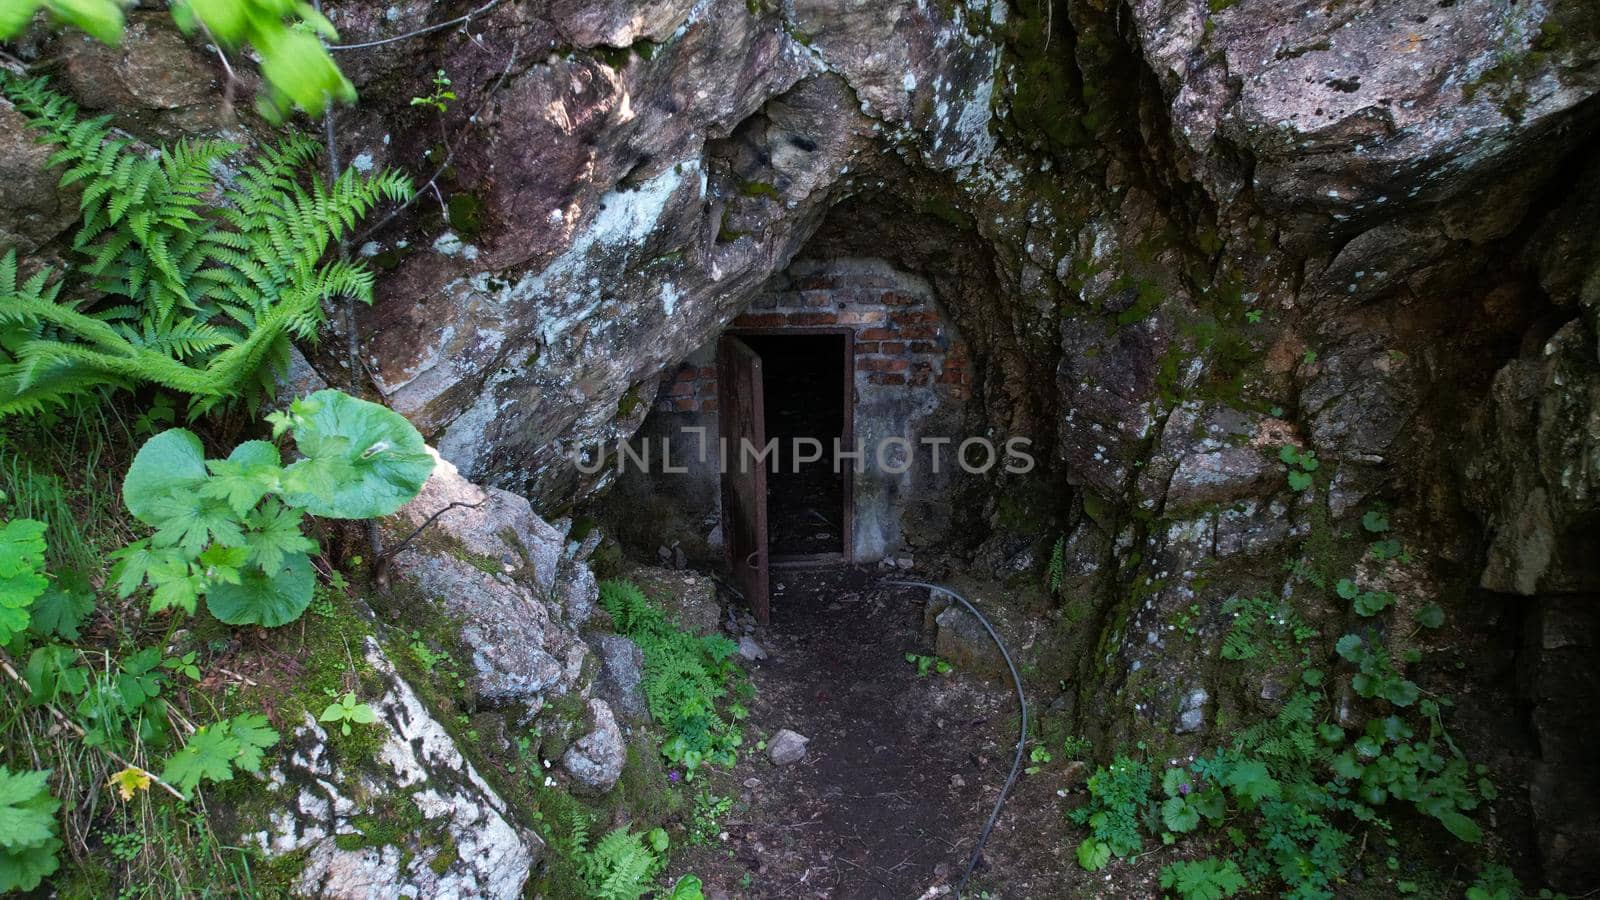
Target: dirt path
x,y
902,769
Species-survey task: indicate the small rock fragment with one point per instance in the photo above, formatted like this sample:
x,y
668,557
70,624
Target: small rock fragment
x,y
787,747
750,650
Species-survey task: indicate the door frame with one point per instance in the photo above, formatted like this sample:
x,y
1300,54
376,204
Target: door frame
x,y
847,435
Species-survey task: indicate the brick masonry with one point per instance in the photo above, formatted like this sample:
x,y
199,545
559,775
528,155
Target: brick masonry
x,y
900,337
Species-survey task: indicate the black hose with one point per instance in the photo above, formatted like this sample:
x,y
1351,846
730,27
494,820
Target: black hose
x,y
1022,736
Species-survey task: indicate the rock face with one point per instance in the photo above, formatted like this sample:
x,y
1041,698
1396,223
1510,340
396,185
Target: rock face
x,y
1175,238
463,845
503,574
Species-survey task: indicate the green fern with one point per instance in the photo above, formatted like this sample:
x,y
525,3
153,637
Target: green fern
x,y
619,867
684,678
199,296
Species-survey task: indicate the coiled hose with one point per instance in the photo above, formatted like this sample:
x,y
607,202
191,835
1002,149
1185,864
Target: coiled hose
x,y
1022,735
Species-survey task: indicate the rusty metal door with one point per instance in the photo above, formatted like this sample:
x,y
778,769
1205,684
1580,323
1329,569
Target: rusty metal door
x,y
744,472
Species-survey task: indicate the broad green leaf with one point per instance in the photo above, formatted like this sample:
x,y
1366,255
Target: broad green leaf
x,y
362,460
1299,481
263,599
273,532
27,811
52,671
1430,616
249,472
1173,780
21,581
1179,816
688,887
1251,782
16,15
254,736
1461,826
1346,589
192,522
63,606
1093,855
208,756
1370,603
101,19
25,868
21,547
171,462
1349,646
1375,522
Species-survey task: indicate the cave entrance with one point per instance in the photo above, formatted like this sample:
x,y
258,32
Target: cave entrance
x,y
789,390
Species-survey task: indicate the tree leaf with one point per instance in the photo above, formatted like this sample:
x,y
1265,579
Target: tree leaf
x,y
362,460
265,599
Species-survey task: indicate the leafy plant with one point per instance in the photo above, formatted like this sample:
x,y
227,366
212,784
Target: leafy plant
x,y
927,665
1038,756
1301,464
1203,879
297,68
620,866
348,709
172,287
684,678
1367,603
215,752
441,96
28,842
230,530
1118,795
22,579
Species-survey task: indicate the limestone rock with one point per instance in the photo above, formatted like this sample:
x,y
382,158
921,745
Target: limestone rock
x,y
595,760
689,598
466,845
750,650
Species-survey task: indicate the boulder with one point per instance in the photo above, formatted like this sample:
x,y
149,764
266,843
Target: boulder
x,y
595,760
502,573
621,679
463,843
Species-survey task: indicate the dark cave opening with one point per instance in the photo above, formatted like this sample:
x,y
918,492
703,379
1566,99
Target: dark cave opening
x,y
804,402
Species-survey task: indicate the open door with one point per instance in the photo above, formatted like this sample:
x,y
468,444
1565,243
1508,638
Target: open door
x,y
744,476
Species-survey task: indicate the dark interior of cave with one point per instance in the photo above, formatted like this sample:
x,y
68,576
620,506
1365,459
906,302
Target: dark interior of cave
x,y
803,393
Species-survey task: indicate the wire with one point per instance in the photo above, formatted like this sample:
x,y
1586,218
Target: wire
x,y
1022,735
458,20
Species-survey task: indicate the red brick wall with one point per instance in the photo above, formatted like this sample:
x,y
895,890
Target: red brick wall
x,y
900,338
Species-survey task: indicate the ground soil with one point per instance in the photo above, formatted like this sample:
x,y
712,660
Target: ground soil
x,y
901,773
